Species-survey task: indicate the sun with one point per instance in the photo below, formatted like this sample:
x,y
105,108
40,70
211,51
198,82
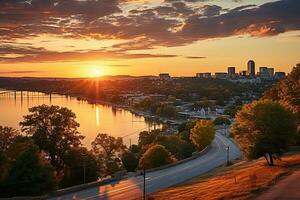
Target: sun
x,y
97,71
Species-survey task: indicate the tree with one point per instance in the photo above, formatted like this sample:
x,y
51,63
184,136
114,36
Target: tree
x,y
146,137
176,146
287,92
54,130
129,161
264,128
81,167
108,150
29,175
203,134
222,120
156,156
7,136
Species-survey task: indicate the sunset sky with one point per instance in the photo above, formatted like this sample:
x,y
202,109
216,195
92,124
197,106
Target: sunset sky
x,y
85,38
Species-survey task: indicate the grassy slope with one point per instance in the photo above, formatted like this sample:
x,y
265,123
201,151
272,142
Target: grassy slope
x,y
242,180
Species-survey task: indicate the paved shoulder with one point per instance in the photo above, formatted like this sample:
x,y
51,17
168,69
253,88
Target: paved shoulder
x,y
286,189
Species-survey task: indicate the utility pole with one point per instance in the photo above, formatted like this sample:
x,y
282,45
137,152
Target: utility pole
x,y
227,151
144,174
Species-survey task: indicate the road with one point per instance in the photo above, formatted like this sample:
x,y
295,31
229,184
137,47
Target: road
x,y
132,188
287,189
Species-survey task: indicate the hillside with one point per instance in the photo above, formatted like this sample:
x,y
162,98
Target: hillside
x,y
243,180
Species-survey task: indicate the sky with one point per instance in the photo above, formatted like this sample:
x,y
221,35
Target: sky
x,y
88,38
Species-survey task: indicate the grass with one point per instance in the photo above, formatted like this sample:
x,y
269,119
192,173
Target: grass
x,y
243,180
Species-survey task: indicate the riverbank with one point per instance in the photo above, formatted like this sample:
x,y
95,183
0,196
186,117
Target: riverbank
x,y
243,180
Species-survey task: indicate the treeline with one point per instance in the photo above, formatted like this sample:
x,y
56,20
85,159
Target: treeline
x,y
187,89
48,153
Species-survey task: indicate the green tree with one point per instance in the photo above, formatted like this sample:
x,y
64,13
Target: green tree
x,y
129,161
222,120
108,150
81,167
156,156
203,134
54,130
264,128
29,175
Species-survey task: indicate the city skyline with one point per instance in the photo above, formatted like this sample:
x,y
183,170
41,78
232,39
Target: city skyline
x,y
114,37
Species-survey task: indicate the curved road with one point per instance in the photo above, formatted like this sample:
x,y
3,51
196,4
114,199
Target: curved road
x,y
132,188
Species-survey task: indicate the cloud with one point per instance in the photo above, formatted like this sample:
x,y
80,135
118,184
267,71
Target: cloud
x,y
28,55
195,57
173,23
19,72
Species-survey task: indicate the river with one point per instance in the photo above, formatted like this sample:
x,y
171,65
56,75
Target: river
x,y
93,118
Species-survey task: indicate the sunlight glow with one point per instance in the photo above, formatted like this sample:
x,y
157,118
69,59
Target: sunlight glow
x,y
97,71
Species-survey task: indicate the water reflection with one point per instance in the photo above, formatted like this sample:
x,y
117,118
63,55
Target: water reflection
x,y
93,118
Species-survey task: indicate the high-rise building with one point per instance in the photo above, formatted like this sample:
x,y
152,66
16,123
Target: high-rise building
x,y
251,68
266,73
231,72
271,72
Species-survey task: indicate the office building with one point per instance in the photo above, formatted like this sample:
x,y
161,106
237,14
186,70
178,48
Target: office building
x,y
203,75
279,75
251,68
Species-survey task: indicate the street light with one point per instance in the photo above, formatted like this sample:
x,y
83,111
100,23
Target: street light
x,y
227,151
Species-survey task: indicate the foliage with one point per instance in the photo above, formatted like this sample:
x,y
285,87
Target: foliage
x,y
108,150
81,167
264,128
287,92
222,120
176,146
146,137
166,110
202,134
129,161
135,149
232,110
54,130
7,136
29,175
156,156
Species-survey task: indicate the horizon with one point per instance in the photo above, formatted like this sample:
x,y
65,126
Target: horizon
x,y
83,39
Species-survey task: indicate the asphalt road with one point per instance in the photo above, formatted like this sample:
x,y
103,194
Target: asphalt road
x,y
132,188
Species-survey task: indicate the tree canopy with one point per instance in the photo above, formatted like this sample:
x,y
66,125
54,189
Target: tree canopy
x,y
28,175
202,134
54,130
264,128
156,156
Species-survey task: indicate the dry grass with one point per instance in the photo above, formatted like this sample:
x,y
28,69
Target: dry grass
x,y
243,180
